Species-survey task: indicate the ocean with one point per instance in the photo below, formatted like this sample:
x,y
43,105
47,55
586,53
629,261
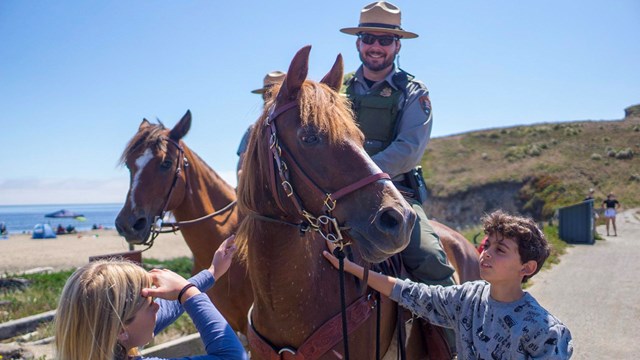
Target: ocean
x,y
22,218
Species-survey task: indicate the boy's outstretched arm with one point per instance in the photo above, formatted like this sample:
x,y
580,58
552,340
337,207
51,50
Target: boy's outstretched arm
x,y
382,283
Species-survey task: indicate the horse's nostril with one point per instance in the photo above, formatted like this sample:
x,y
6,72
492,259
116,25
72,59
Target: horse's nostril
x,y
140,224
390,219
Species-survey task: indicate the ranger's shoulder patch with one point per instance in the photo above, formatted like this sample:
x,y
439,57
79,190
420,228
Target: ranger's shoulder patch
x,y
425,103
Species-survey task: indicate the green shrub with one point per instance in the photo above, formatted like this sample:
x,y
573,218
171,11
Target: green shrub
x,y
534,150
515,153
571,131
624,154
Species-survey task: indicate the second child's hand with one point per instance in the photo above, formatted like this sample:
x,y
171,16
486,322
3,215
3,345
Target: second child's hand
x,y
222,257
382,283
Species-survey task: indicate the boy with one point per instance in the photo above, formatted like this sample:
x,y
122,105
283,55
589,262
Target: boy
x,y
494,318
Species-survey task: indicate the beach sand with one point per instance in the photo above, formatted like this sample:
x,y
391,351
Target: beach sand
x,y
20,252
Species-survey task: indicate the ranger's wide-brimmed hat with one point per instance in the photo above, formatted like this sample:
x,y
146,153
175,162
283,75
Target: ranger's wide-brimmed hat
x,y
271,78
380,16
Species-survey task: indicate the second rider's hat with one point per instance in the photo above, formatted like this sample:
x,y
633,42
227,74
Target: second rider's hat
x,y
271,78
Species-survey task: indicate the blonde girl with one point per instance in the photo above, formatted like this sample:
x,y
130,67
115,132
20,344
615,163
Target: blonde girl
x,y
106,310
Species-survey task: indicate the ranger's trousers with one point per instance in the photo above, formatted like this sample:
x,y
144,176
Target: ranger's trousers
x,y
424,258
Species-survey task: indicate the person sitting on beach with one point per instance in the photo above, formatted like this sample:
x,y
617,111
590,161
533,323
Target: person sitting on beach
x,y
494,318
60,230
107,310
71,229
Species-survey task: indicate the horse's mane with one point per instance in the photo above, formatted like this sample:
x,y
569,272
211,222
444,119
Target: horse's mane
x,y
151,135
321,108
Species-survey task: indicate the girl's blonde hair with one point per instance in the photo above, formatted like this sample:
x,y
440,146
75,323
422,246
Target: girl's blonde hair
x,y
96,302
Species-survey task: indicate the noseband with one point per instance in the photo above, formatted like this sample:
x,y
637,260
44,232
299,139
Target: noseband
x,y
158,223
325,224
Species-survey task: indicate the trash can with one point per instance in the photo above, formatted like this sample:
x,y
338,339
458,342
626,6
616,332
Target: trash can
x,y
576,223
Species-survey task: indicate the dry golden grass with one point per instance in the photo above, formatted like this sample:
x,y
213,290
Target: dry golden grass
x,y
555,163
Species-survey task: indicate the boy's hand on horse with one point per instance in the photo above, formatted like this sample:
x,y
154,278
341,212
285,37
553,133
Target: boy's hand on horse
x,y
382,283
350,267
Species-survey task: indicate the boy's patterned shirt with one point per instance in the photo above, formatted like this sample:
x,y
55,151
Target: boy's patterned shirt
x,y
486,328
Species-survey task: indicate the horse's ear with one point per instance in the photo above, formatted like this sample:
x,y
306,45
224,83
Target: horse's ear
x,y
296,75
145,123
333,79
182,127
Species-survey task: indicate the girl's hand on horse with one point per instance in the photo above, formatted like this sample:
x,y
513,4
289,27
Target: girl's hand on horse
x,y
222,257
167,285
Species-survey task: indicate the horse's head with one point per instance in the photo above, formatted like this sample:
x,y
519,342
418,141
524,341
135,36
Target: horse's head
x,y
305,163
156,162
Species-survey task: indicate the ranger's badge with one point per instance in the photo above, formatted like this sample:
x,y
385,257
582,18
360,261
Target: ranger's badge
x,y
426,104
386,92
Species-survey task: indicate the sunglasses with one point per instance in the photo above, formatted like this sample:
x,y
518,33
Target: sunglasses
x,y
383,40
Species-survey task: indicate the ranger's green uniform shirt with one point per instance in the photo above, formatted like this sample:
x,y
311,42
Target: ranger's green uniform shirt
x,y
413,129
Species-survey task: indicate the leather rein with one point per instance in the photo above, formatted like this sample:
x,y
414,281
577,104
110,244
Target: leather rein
x,y
159,226
327,336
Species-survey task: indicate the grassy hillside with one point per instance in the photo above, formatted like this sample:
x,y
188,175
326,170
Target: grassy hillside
x,y
533,169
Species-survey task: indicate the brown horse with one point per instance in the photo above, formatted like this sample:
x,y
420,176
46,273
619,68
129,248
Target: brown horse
x,y
306,178
166,175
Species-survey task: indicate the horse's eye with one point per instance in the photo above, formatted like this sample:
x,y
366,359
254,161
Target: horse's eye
x,y
166,164
310,136
310,139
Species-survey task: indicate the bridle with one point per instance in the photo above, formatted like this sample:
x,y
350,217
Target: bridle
x,y
325,224
158,220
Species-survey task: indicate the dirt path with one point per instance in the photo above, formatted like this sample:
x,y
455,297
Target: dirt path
x,y
595,293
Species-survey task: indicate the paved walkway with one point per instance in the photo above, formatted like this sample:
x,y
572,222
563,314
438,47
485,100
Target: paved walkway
x,y
594,291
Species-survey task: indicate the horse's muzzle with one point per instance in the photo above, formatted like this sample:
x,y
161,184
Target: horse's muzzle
x,y
135,230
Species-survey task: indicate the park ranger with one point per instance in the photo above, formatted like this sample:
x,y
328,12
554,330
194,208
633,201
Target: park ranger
x,y
393,111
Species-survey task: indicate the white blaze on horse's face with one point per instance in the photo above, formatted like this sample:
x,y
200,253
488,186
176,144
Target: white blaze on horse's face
x,y
140,162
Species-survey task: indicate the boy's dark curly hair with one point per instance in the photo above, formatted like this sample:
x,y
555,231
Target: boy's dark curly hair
x,y
532,244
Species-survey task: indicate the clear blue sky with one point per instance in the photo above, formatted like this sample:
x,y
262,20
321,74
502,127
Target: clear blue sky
x,y
77,77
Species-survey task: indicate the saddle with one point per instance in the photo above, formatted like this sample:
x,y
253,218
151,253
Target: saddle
x,y
432,336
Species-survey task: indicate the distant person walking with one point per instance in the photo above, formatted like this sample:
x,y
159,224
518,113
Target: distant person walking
x,y
610,206
589,197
